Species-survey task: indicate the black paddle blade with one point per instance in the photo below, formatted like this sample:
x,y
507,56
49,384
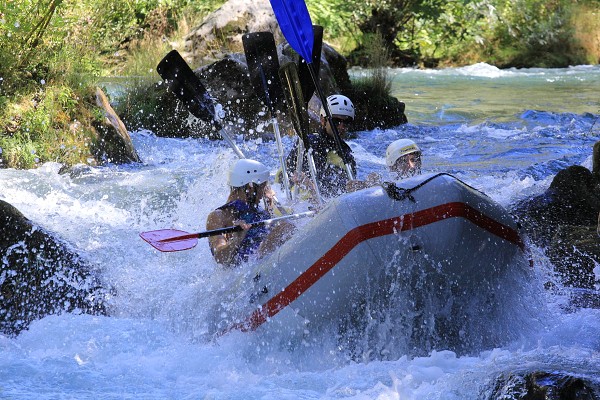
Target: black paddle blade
x,y
263,65
187,86
308,86
293,93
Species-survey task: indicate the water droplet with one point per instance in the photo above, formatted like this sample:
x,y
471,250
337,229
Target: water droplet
x,y
17,24
43,81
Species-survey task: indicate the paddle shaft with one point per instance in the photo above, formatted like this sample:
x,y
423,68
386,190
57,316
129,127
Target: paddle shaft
x,y
235,228
308,86
286,179
299,165
231,143
313,172
289,74
263,65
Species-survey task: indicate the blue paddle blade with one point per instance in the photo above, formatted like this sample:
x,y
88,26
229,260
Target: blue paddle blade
x,y
308,86
296,25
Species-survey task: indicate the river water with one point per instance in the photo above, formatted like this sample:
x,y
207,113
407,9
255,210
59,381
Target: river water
x,y
505,132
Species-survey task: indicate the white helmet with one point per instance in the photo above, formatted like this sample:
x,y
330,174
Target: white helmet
x,y
339,105
245,171
399,148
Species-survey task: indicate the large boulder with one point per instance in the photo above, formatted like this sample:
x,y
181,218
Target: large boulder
x,y
571,200
563,221
40,275
228,83
221,32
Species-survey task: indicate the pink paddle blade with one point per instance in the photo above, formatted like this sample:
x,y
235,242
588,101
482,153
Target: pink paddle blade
x,y
168,240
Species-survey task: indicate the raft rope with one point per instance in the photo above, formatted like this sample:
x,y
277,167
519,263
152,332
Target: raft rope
x,y
398,193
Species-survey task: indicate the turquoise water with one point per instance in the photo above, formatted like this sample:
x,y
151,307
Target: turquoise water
x,y
482,92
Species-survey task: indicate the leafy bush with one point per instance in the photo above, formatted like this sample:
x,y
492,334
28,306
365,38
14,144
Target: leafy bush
x,y
433,32
53,52
47,126
534,33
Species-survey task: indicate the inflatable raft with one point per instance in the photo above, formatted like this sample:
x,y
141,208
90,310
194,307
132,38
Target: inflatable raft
x,y
346,252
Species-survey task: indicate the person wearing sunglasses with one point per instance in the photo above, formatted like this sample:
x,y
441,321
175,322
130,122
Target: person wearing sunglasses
x,y
403,159
329,163
248,182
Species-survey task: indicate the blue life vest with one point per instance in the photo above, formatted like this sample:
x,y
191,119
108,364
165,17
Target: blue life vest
x,y
255,235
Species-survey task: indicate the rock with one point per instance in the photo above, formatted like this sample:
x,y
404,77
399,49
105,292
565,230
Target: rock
x,y
544,385
575,253
563,221
571,200
376,110
40,275
113,144
336,67
167,117
221,32
576,191
228,82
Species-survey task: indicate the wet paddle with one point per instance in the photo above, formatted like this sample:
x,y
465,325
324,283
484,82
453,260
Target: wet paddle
x,y
308,86
295,100
292,88
296,25
263,65
169,240
189,89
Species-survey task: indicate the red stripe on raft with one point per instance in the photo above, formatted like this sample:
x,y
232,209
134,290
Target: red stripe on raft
x,y
369,231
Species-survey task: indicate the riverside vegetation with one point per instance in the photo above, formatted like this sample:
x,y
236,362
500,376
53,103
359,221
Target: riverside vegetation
x,y
54,52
